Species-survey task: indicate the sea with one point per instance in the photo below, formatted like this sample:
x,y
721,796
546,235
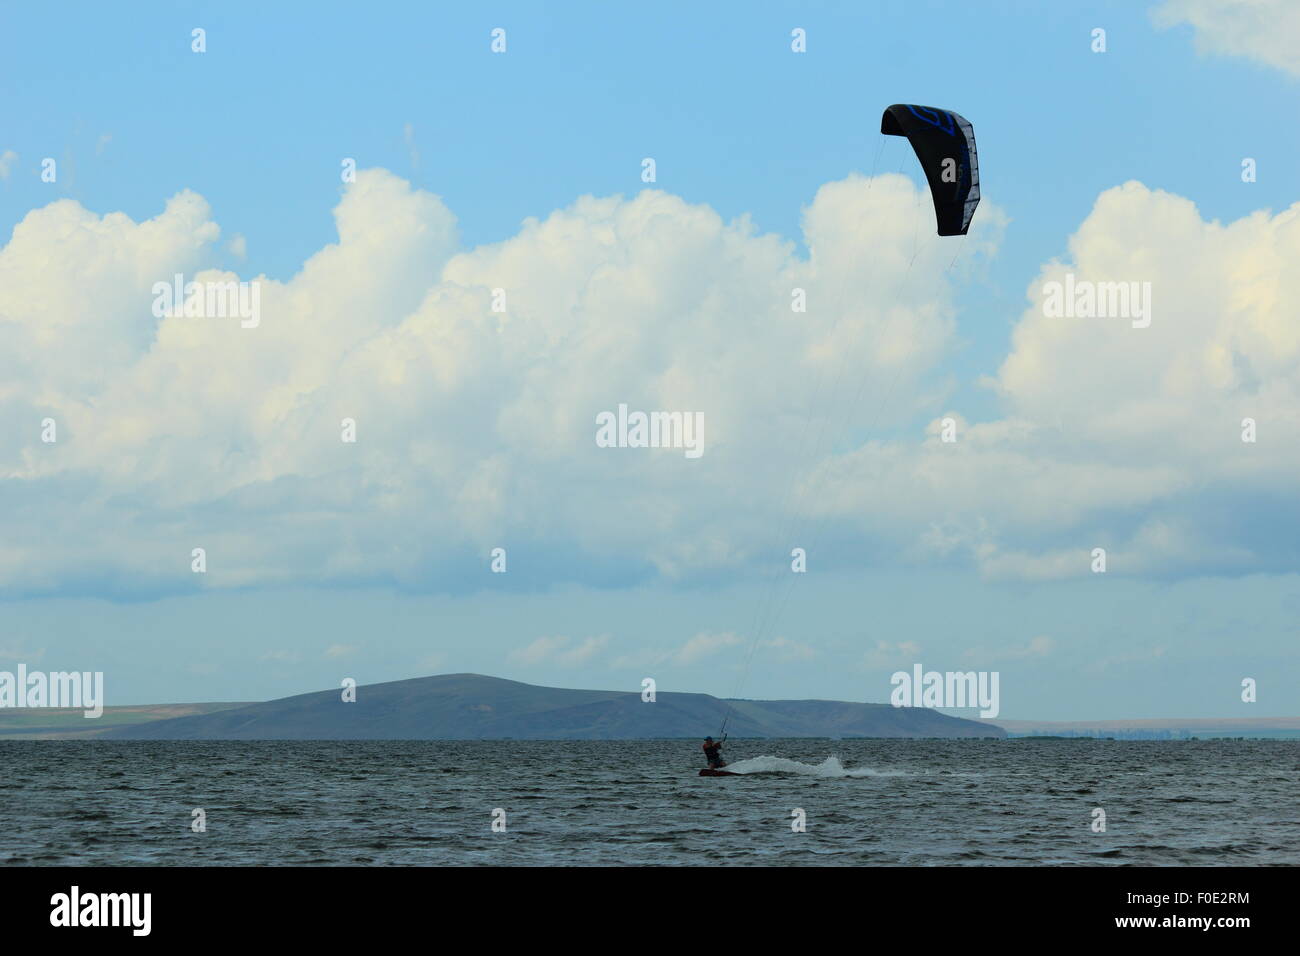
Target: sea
x,y
806,802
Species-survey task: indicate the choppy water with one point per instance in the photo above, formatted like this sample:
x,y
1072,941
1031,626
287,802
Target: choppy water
x,y
867,802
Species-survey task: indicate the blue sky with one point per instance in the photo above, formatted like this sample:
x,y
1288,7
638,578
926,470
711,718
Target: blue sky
x,y
739,125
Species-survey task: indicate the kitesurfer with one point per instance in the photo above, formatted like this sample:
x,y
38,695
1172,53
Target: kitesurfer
x,y
713,753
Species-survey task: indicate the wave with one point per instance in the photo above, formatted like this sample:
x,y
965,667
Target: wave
x,y
830,767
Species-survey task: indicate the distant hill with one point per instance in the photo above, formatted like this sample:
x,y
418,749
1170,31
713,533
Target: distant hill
x,y
1165,728
67,723
474,707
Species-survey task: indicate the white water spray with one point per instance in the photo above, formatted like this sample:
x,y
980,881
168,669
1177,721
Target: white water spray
x,y
830,767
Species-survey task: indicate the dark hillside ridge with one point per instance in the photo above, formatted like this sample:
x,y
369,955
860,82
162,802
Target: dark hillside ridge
x,y
474,707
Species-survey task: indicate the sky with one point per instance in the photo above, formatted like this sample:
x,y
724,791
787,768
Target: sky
x,y
498,273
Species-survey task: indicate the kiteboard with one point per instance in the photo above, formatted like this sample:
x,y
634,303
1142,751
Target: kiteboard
x,y
710,772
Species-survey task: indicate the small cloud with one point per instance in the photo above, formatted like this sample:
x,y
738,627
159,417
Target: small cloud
x,y
1260,30
102,143
280,657
1126,660
585,651
703,645
238,247
20,650
791,650
538,651
885,654
7,159
557,650
340,650
1037,647
637,660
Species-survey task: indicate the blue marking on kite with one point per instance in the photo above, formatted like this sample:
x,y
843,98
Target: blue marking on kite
x,y
934,119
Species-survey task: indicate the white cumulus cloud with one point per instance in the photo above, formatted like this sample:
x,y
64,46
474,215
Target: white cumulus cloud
x,y
1264,30
475,427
